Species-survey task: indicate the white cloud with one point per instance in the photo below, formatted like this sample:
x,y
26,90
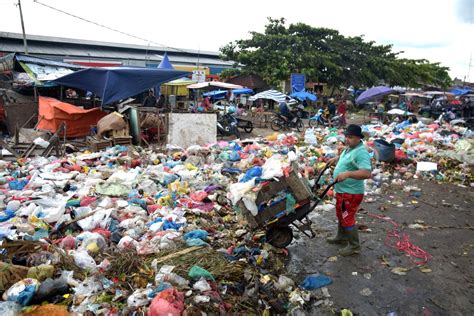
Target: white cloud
x,y
431,29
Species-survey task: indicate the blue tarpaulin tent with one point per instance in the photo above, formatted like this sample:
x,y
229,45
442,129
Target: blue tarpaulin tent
x,y
117,83
458,91
165,63
303,95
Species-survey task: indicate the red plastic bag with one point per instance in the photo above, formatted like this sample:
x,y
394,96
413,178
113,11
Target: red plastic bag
x,y
169,302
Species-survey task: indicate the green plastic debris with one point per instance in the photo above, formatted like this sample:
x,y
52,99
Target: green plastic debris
x,y
196,272
290,203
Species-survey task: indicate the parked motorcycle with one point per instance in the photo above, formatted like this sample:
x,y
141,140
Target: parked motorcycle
x,y
279,122
318,119
227,125
246,125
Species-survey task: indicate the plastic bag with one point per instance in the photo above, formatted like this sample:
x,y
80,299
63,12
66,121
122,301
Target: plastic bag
x,y
138,298
169,302
41,272
202,285
198,233
253,172
193,242
196,272
83,260
284,283
313,282
10,308
23,291
273,167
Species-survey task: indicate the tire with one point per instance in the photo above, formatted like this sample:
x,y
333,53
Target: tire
x,y
279,237
299,125
276,124
237,132
313,123
336,123
249,128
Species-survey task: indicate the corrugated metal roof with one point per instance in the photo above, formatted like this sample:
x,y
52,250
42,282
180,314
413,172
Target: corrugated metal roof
x,y
41,38
112,54
44,62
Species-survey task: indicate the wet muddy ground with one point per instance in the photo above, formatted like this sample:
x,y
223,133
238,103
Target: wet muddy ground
x,y
365,284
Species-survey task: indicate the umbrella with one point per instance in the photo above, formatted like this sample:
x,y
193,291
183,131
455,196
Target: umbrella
x,y
303,95
117,83
211,84
271,95
373,94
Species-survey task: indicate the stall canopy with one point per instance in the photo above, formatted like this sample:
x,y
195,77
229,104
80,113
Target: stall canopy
x,y
216,84
165,63
78,121
215,94
303,95
270,95
35,71
242,91
117,83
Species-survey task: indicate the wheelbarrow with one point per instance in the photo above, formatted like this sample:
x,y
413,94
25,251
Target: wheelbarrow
x,y
279,232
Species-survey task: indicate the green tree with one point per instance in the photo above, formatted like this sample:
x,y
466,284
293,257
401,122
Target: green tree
x,y
325,55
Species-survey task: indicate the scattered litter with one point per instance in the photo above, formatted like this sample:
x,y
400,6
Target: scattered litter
x,y
365,292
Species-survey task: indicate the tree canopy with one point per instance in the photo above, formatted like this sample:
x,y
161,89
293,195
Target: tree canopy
x,y
325,55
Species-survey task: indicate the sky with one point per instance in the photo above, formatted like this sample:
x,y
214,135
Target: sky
x,y
437,30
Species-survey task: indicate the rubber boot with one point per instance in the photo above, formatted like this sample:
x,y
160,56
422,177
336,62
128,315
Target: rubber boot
x,y
340,238
354,245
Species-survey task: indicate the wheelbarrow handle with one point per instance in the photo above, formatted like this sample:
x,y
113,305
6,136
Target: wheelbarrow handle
x,y
322,172
322,195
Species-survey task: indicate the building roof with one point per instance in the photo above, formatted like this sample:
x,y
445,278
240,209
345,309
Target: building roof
x,y
53,46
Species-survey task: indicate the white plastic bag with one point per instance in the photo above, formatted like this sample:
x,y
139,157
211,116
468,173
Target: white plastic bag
x,y
83,260
202,285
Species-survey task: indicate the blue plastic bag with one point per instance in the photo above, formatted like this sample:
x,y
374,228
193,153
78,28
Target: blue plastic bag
x,y
17,184
313,282
6,215
192,242
171,225
234,156
198,233
252,173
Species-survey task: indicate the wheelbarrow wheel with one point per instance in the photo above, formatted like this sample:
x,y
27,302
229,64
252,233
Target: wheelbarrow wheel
x,y
279,237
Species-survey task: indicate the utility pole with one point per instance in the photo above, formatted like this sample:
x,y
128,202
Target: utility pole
x,y
23,28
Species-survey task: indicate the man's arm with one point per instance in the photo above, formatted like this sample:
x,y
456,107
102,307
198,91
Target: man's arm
x,y
361,174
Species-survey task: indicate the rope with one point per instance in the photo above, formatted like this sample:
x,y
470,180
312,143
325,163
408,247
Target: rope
x,y
401,241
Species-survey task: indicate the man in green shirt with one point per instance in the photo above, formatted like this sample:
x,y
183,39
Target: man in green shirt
x,y
353,167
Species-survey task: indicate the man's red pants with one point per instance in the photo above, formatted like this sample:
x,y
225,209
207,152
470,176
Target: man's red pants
x,y
347,206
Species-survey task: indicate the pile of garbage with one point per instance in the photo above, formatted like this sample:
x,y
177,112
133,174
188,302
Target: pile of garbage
x,y
131,230
134,230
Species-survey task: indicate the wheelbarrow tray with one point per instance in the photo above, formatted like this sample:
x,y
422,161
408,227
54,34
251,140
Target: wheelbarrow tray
x,y
298,187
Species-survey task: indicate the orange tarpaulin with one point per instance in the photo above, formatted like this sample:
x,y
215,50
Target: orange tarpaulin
x,y
78,121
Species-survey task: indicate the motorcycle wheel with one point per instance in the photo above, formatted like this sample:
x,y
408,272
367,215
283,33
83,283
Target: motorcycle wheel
x,y
313,123
249,128
276,124
299,125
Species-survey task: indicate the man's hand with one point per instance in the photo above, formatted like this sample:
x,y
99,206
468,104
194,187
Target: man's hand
x,y
342,176
332,161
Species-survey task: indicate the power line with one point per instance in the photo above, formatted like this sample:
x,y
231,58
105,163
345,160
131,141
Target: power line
x,y
106,27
